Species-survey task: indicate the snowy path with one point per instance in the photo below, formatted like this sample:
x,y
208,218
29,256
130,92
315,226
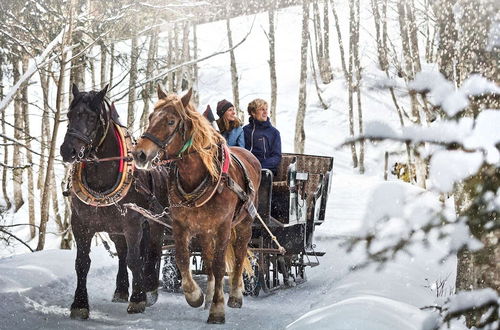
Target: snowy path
x,y
37,289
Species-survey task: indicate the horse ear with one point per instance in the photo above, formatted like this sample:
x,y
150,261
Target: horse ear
x,y
186,98
75,90
100,96
161,93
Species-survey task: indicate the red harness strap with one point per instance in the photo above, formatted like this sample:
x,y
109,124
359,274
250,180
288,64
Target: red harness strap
x,y
227,160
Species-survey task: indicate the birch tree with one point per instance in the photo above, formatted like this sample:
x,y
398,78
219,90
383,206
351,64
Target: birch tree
x,y
134,56
234,71
300,135
29,156
272,60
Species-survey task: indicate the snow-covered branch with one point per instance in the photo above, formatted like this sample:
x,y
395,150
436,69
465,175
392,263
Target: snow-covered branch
x,y
38,62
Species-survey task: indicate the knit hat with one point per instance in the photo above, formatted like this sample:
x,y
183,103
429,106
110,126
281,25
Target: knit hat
x,y
222,107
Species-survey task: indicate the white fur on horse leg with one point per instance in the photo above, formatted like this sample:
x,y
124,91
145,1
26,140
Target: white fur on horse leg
x,y
235,293
217,315
192,293
210,292
151,298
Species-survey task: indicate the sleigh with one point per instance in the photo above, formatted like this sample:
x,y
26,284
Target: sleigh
x,y
291,205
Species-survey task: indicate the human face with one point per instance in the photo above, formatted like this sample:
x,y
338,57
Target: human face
x,y
261,113
230,114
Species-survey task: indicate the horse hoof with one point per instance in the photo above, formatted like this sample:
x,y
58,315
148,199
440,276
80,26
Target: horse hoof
x,y
79,313
234,302
136,307
120,297
208,303
151,298
216,319
197,302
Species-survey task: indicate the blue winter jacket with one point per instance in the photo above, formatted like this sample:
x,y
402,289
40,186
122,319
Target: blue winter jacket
x,y
264,141
235,137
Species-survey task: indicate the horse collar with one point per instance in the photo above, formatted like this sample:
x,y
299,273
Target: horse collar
x,y
205,190
123,182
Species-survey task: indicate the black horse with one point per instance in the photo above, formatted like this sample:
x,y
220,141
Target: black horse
x,y
103,179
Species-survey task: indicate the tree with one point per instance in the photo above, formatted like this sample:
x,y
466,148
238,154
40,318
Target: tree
x,y
300,135
234,71
474,150
272,60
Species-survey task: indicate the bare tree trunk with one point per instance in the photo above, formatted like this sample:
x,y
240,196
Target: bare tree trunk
x,y
409,72
16,158
149,88
111,64
44,216
350,83
380,34
66,235
29,156
413,33
104,65
300,135
357,65
8,204
55,203
45,125
92,72
134,55
234,72
178,59
341,44
318,91
196,95
443,10
171,58
325,65
272,62
318,39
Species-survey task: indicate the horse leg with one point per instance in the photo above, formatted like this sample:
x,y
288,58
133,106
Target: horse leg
x,y
133,235
240,244
208,258
152,261
192,291
80,305
216,314
121,291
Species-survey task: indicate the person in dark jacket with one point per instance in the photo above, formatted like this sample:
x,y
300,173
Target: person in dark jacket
x,y
229,125
261,138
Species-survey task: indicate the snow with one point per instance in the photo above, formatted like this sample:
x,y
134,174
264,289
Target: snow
x,y
448,167
37,288
469,299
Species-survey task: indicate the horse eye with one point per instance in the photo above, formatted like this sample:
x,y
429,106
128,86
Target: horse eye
x,y
171,122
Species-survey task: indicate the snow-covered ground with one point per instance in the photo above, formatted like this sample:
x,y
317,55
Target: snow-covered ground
x,y
37,289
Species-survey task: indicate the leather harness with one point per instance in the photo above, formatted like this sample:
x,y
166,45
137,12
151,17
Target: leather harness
x,y
126,170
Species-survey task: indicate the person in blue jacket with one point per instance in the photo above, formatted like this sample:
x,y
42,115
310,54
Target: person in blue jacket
x,y
261,138
229,125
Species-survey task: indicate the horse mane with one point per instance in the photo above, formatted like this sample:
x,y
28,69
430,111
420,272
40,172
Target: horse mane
x,y
206,140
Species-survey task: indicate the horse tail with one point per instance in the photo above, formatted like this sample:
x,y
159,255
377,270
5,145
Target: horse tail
x,y
231,259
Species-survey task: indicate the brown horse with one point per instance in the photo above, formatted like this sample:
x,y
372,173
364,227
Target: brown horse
x,y
99,191
211,191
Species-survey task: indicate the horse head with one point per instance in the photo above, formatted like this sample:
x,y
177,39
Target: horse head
x,y
168,130
87,124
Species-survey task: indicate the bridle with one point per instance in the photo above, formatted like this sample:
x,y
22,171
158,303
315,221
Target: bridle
x,y
163,144
89,139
